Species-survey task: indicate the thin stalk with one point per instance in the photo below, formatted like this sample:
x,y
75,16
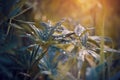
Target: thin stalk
x,y
9,26
110,61
22,21
25,10
102,42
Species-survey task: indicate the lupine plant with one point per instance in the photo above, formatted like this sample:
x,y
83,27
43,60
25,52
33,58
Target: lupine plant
x,y
51,51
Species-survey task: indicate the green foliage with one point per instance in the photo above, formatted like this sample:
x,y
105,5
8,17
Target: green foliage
x,y
51,51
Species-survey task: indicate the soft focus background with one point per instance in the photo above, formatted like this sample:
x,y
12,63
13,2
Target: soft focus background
x,y
89,13
49,40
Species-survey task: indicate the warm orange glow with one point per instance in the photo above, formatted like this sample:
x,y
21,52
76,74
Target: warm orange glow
x,y
88,12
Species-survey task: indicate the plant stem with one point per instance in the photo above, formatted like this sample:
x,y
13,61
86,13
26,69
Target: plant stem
x,y
102,41
8,30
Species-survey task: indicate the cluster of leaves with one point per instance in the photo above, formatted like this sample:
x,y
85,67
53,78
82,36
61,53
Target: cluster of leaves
x,y
50,51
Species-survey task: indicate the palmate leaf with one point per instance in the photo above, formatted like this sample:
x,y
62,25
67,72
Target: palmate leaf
x,y
52,52
79,30
46,36
28,58
93,43
9,9
49,56
82,33
99,38
46,26
90,60
48,63
16,26
95,56
86,57
40,35
22,61
14,65
108,50
46,33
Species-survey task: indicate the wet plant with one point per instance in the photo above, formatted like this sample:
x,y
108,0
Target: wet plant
x,y
51,51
